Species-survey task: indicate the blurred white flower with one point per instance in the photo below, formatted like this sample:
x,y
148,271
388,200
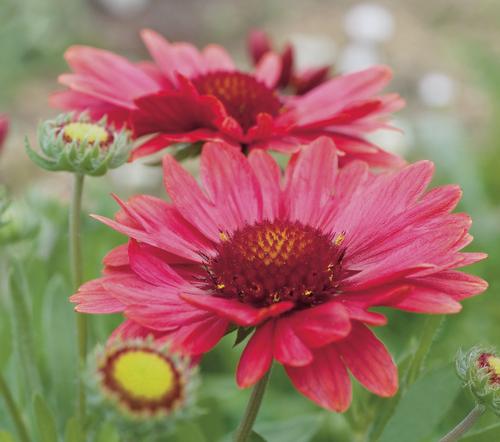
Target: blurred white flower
x,y
355,57
436,89
369,22
313,51
124,8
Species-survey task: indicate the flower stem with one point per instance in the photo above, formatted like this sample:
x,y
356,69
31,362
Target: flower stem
x,y
245,428
465,425
14,411
75,249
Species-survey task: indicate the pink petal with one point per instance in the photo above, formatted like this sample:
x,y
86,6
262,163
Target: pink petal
x,y
268,175
427,300
310,180
268,69
236,311
324,381
321,325
369,361
93,297
217,59
190,201
257,356
231,185
288,347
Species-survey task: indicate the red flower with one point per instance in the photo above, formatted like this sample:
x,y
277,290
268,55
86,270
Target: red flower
x,y
4,129
259,44
190,96
301,258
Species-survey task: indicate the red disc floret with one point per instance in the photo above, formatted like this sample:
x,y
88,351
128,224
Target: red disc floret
x,y
270,262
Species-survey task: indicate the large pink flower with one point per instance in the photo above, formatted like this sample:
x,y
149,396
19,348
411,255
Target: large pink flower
x,y
300,257
189,96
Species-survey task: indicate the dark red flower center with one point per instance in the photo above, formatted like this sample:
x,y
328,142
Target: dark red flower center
x,y
270,262
491,363
242,95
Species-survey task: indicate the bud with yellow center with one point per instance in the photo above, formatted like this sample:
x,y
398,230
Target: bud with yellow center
x,y
144,379
76,144
479,369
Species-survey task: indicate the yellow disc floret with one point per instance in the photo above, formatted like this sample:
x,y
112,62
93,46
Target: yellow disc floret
x,y
494,363
144,374
92,133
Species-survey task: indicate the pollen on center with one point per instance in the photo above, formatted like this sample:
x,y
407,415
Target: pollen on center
x,y
143,374
91,133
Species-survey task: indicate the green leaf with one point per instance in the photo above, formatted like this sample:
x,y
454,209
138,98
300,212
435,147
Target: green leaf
x,y
5,337
6,437
487,434
45,420
241,334
256,437
107,433
72,433
422,407
189,431
297,428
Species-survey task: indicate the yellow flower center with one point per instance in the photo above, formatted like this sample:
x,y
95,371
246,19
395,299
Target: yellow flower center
x,y
144,375
494,363
91,133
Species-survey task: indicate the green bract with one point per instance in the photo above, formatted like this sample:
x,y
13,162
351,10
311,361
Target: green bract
x,y
89,149
480,378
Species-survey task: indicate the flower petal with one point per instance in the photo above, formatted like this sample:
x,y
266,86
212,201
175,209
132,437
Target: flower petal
x,y
288,347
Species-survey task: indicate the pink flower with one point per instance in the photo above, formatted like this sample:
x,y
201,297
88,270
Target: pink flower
x,y
259,45
4,129
188,96
301,258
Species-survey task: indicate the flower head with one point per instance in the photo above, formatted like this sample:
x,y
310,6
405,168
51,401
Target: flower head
x,y
76,144
300,259
143,378
187,96
300,83
479,369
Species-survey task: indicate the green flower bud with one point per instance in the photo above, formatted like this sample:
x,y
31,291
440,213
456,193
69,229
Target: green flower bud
x,y
142,386
479,370
15,223
76,144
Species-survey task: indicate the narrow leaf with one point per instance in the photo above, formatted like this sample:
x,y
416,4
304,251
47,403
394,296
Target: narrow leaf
x,y
45,420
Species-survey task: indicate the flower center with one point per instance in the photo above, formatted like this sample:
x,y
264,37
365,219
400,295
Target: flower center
x,y
242,95
92,133
492,365
277,261
141,379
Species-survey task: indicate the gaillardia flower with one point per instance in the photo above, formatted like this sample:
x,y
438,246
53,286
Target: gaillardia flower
x,y
259,45
479,370
143,378
187,96
301,258
76,144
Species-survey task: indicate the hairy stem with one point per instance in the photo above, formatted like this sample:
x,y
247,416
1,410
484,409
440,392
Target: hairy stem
x,y
245,428
75,252
465,425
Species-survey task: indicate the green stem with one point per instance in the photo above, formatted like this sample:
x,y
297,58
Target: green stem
x,y
429,332
75,252
14,411
245,428
465,425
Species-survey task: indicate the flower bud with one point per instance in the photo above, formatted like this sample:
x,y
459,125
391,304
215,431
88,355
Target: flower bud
x,y
143,381
479,369
76,144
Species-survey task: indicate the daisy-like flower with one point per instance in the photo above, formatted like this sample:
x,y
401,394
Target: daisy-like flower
x,y
299,258
259,45
187,96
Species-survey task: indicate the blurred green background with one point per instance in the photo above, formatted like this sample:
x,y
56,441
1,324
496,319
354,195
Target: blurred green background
x,y
446,61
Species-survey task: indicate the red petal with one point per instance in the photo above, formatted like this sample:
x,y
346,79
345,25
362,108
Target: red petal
x,y
288,347
324,381
257,357
369,361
